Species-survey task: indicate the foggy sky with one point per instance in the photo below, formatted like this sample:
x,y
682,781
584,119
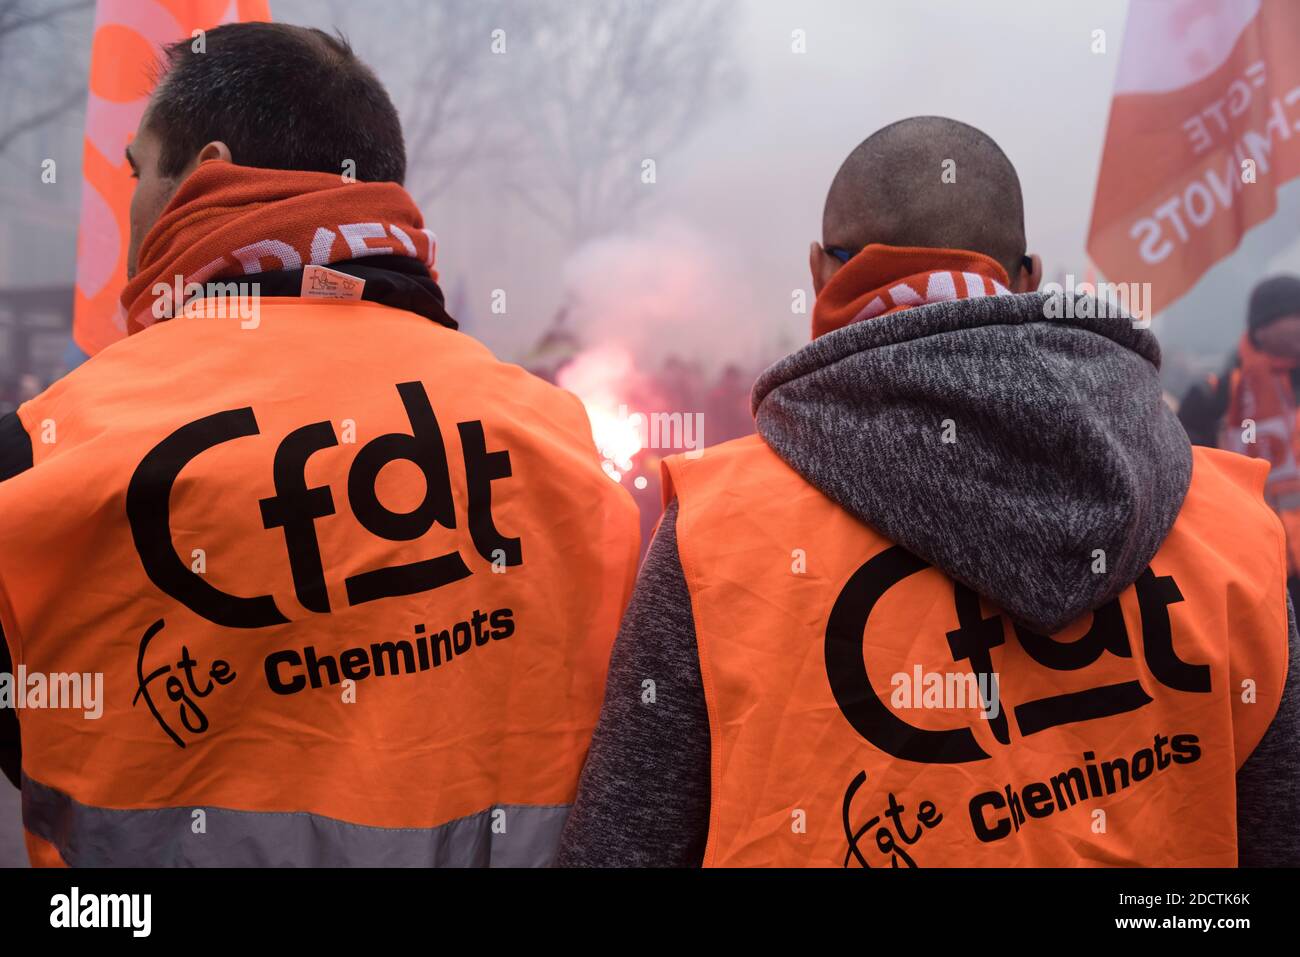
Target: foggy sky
x,y
746,190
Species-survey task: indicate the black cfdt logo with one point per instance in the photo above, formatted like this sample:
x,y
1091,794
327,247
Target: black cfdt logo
x,y
295,508
973,640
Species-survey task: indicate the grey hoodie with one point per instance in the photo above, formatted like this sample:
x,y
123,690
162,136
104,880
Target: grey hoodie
x,y
1018,453
1061,456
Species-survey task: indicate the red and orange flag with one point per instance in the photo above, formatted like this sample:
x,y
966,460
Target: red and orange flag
x,y
1204,129
129,35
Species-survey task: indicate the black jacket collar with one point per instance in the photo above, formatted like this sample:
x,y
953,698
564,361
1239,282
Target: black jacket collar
x,y
397,281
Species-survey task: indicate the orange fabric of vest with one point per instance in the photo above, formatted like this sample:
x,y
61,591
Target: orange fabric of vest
x,y
1262,423
850,727
212,507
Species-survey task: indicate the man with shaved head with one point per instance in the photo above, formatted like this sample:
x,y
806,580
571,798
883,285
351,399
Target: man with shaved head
x,y
887,192
967,597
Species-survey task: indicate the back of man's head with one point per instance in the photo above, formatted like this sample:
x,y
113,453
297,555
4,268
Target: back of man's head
x,y
280,97
928,181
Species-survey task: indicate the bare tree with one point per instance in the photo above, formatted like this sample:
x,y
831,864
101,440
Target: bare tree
x,y
559,102
457,85
437,62
608,86
31,36
556,102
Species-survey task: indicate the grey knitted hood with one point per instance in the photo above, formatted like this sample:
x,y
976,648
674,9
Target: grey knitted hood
x,y
1030,458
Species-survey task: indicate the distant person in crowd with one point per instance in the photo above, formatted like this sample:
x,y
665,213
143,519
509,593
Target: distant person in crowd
x,y
968,598
342,578
1251,406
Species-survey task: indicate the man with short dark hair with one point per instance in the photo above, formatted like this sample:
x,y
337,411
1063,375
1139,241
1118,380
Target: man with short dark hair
x,y
968,598
347,582
274,95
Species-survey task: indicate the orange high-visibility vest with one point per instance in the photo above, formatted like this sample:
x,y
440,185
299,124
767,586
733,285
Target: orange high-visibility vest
x,y
1275,439
350,582
867,710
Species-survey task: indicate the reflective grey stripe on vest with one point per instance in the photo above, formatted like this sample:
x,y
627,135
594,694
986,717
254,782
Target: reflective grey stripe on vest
x,y
89,836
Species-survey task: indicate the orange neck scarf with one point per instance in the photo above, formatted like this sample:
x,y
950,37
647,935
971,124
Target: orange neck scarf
x,y
1263,391
883,279
229,221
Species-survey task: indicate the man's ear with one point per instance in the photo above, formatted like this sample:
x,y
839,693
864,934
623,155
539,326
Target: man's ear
x,y
1028,279
822,265
215,150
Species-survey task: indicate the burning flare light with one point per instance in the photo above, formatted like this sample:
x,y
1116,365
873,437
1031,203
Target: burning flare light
x,y
595,377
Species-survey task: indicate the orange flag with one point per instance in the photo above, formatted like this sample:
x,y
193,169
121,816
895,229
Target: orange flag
x,y
1204,128
129,35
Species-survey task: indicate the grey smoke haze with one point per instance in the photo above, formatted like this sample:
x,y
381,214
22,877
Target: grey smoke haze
x,y
737,197
750,182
